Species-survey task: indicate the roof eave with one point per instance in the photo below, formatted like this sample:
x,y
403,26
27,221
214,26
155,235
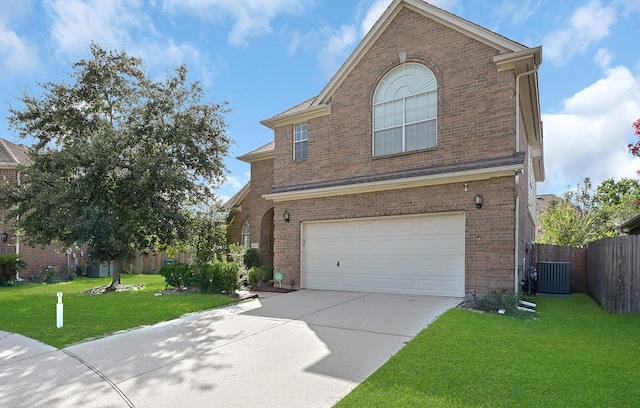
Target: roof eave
x,y
410,182
259,156
501,44
297,117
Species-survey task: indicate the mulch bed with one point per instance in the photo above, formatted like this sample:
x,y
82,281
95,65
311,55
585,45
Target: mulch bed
x,y
119,288
270,288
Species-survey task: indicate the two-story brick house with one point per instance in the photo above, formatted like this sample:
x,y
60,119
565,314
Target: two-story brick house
x,y
37,258
413,171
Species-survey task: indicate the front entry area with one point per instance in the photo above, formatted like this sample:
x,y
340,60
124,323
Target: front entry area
x,y
415,254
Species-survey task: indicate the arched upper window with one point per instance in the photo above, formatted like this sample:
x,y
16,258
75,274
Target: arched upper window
x,y
246,234
405,110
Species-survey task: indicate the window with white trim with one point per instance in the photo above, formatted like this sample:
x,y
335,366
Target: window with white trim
x,y
405,110
301,141
246,234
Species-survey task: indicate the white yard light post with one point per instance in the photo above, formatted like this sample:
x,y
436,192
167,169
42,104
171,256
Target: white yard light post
x,y
59,311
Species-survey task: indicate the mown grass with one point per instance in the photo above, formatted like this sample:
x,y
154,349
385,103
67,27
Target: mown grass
x,y
574,355
30,310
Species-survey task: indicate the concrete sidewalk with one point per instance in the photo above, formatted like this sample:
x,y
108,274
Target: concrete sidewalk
x,y
301,349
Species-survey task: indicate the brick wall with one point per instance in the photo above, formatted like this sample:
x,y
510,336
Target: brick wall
x,y
475,107
489,230
37,258
476,115
262,215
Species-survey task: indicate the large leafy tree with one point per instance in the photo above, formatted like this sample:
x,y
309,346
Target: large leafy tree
x,y
119,160
584,215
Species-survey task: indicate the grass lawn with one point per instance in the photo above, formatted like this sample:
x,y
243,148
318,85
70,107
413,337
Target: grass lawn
x,y
574,355
31,309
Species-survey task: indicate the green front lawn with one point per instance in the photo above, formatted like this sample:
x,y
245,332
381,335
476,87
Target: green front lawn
x,y
574,355
31,309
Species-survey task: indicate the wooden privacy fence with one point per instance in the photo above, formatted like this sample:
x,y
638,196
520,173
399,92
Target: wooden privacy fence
x,y
614,273
556,253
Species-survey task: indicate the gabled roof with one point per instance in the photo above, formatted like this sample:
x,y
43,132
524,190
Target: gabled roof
x,y
12,154
235,202
319,106
261,153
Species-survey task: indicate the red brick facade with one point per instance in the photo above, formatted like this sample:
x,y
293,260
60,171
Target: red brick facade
x,y
475,121
37,258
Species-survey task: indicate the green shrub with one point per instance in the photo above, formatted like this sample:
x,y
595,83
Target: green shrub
x,y
253,277
506,300
52,275
177,275
10,265
216,277
267,273
251,258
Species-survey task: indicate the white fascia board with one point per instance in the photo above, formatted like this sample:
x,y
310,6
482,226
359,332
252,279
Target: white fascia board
x,y
250,158
297,117
412,182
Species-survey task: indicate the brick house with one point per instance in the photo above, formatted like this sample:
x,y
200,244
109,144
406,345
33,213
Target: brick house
x,y
37,258
413,171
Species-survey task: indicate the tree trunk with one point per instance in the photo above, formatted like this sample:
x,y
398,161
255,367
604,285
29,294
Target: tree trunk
x,y
116,278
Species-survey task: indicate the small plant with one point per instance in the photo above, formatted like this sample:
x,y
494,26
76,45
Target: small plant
x,y
503,302
52,275
251,258
10,265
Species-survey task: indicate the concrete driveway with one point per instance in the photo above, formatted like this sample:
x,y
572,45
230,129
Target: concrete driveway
x,y
302,349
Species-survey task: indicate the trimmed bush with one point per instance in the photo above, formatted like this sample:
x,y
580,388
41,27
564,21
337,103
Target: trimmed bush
x,y
216,277
177,275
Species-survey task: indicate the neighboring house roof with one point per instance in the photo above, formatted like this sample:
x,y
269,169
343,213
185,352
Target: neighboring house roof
x,y
235,202
12,154
543,201
261,153
632,226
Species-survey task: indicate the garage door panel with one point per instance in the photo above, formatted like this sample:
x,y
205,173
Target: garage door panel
x,y
412,254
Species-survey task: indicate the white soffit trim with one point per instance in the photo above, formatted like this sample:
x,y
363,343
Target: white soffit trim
x,y
386,185
297,117
500,43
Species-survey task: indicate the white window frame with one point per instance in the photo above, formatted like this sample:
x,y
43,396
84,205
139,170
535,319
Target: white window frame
x,y
403,84
301,137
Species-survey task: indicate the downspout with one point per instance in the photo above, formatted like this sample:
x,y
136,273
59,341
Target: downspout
x,y
516,282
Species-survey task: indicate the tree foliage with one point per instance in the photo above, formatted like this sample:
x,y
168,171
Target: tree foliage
x,y
634,148
119,160
584,215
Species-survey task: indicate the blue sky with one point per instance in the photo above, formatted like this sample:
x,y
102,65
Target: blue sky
x,y
264,56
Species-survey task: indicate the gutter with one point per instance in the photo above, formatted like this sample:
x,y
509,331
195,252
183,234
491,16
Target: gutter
x,y
516,275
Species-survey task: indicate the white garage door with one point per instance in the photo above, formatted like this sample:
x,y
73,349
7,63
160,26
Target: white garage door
x,y
408,254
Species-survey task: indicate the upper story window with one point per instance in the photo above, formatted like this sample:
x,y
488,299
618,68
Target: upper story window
x,y
301,141
405,110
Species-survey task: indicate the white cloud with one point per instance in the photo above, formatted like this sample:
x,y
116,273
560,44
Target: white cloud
x,y
16,54
252,18
603,58
232,185
76,23
372,15
337,48
589,137
588,25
